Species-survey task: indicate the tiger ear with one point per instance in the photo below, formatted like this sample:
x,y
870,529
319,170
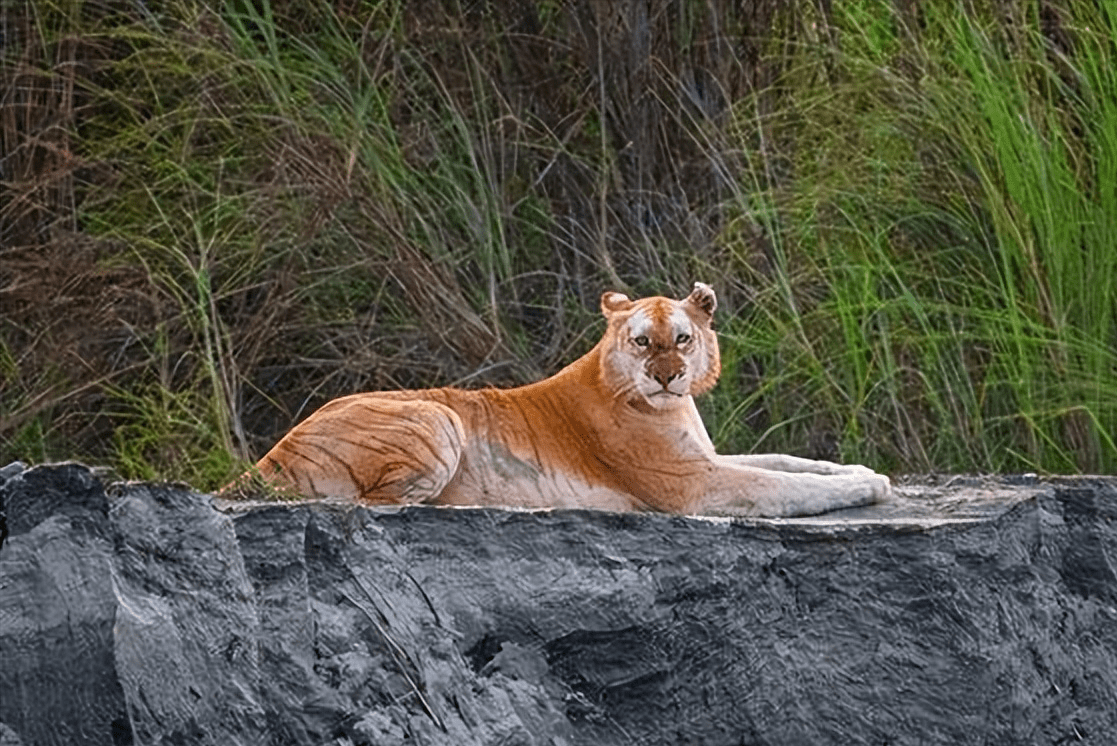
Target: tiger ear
x,y
703,297
612,302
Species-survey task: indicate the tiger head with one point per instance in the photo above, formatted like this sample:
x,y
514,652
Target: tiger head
x,y
657,351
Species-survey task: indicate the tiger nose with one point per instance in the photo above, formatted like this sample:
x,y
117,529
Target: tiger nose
x,y
666,378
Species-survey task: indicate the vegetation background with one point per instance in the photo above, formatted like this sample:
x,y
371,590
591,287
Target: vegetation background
x,y
215,216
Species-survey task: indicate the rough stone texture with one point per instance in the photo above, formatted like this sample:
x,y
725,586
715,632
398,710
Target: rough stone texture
x,y
967,611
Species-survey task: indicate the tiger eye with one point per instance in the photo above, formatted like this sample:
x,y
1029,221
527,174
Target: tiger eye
x,y
682,339
641,341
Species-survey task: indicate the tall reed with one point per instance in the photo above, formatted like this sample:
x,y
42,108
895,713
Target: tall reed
x,y
941,294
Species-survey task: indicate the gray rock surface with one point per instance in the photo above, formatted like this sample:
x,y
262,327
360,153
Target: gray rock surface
x,y
967,611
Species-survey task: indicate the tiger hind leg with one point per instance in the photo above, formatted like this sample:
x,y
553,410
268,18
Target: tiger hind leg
x,y
369,449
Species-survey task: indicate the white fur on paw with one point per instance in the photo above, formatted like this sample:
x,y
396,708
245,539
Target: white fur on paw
x,y
881,487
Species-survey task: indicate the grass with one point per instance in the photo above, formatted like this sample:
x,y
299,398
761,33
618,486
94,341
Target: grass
x,y
256,206
940,291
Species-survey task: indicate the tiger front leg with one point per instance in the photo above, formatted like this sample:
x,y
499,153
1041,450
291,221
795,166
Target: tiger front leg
x,y
735,489
795,464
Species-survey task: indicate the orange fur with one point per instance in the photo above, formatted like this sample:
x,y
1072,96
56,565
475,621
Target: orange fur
x,y
616,429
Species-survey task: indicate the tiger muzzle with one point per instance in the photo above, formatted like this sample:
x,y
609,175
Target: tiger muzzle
x,y
666,369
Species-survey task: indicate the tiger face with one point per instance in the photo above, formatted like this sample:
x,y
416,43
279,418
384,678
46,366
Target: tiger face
x,y
658,351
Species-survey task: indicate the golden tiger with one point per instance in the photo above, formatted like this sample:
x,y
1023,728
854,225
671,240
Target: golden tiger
x,y
616,429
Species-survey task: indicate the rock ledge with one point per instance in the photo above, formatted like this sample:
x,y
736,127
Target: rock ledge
x,y
967,611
